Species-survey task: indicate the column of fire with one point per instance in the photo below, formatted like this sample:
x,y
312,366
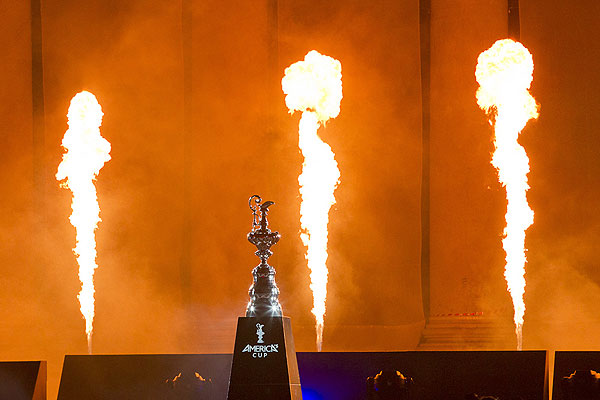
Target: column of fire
x,y
504,73
314,87
86,153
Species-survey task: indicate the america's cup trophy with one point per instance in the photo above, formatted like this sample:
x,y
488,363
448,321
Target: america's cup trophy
x,y
264,358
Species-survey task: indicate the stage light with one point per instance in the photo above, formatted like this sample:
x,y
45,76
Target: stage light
x,y
581,385
389,384
310,394
187,385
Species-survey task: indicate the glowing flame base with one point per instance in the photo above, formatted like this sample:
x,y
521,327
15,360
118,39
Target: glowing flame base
x,y
504,73
86,153
314,87
319,178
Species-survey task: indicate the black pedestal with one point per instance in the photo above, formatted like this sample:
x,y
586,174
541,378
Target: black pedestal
x,y
264,361
144,376
23,380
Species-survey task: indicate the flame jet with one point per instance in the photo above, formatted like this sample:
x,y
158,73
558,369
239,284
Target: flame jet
x,y
504,73
86,153
314,87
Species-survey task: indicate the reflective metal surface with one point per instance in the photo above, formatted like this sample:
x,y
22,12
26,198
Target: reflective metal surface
x,y
264,294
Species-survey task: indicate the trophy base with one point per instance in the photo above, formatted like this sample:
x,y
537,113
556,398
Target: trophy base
x,y
264,361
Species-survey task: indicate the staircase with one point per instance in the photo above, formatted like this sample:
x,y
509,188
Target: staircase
x,y
474,331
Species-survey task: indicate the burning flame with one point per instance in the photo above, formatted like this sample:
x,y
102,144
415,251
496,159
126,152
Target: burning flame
x,y
314,87
504,73
86,153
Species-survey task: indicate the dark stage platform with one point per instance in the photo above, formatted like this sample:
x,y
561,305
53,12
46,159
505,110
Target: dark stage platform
x,y
324,376
437,375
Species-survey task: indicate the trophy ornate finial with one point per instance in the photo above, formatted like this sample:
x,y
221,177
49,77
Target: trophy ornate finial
x,y
264,294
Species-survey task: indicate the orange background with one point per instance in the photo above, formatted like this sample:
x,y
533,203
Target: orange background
x,y
146,65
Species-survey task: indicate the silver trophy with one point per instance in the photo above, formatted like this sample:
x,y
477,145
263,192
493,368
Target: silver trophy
x,y
264,293
264,364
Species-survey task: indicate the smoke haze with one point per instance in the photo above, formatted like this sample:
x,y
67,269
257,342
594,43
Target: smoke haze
x,y
242,141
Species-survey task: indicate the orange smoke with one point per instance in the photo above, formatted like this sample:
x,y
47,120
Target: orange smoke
x,y
314,87
504,73
86,153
